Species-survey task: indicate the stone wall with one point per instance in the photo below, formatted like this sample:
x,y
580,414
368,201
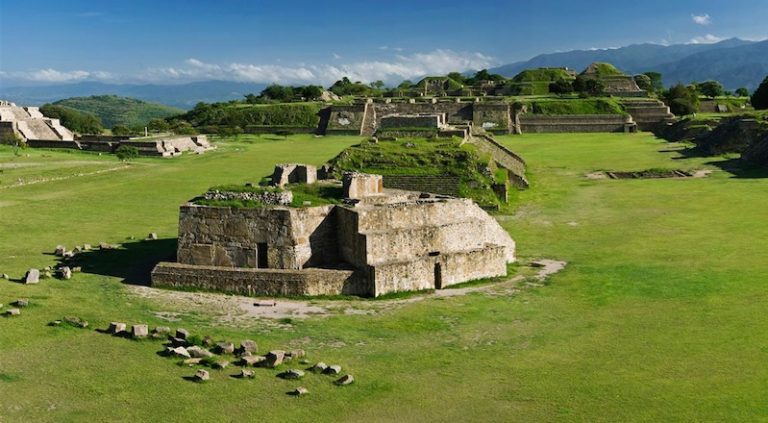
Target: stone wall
x,y
230,237
530,123
493,117
446,185
411,121
439,271
346,120
258,282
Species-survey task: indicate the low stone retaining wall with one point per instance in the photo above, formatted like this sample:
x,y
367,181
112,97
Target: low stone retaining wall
x,y
446,185
259,282
574,123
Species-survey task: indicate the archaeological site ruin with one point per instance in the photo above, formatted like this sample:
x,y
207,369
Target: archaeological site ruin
x,y
370,241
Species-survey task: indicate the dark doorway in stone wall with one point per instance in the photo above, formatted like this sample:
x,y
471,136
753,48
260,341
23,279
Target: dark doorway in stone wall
x,y
261,255
438,276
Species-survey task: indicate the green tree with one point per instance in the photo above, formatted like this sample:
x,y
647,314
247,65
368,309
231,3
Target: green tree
x,y
742,92
121,130
458,77
760,96
127,152
588,86
75,120
158,125
682,100
657,83
278,93
710,89
561,86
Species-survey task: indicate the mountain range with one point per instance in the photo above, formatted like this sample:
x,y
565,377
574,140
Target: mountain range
x,y
183,96
735,63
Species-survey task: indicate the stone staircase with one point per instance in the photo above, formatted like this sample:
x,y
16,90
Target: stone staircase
x,y
649,114
504,157
41,130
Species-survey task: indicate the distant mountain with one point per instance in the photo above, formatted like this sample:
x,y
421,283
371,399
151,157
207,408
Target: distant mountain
x,y
183,96
113,110
734,62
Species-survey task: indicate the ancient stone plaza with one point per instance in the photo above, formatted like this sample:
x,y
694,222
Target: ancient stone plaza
x,y
375,241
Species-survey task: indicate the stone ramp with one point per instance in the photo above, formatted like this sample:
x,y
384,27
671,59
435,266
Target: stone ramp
x,y
41,130
63,133
34,112
649,114
504,157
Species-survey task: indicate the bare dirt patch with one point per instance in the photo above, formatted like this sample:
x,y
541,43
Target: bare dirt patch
x,y
237,310
649,174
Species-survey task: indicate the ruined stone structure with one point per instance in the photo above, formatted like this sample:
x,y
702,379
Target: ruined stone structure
x,y
377,241
170,146
615,84
649,114
29,124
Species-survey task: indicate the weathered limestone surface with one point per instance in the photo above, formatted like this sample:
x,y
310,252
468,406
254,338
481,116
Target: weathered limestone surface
x,y
251,282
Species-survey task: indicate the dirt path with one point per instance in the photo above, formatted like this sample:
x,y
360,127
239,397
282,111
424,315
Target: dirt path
x,y
235,310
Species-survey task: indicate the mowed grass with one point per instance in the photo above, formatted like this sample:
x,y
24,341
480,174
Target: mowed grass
x,y
659,316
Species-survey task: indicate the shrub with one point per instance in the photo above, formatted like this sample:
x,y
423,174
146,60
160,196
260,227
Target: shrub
x,y
13,139
760,96
127,152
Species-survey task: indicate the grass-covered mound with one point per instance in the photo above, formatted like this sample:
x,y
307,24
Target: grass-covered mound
x,y
113,110
575,106
258,115
601,69
425,157
542,74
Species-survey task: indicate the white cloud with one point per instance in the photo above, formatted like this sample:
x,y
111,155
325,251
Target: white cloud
x,y
53,75
392,70
385,48
706,39
401,67
701,19
336,56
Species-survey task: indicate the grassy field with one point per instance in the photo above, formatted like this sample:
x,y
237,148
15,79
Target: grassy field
x,y
659,316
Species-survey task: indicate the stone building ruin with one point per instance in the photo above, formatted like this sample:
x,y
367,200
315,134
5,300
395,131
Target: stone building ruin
x,y
374,241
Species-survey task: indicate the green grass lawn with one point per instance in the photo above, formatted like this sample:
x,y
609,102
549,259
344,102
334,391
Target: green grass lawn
x,y
659,316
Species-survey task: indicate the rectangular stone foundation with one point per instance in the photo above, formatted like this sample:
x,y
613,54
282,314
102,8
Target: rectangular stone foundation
x,y
258,282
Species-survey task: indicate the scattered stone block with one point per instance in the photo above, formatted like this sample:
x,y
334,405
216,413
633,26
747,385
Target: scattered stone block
x,y
87,247
252,360
60,250
21,303
104,246
207,341
55,323
225,348
296,354
300,391
116,328
220,364
182,333
139,331
274,358
345,380
77,249
152,236
76,322
47,274
32,276
247,347
13,312
199,352
68,254
5,276
332,370
65,273
319,367
178,342
180,352
247,374
77,269
192,361
202,375
292,374
161,331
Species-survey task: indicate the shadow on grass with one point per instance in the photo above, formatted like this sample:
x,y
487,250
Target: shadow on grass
x,y
735,166
132,262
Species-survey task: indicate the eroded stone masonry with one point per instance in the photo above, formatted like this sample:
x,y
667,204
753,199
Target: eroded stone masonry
x,y
375,241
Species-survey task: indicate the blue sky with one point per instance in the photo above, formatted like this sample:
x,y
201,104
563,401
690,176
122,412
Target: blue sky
x,y
302,41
